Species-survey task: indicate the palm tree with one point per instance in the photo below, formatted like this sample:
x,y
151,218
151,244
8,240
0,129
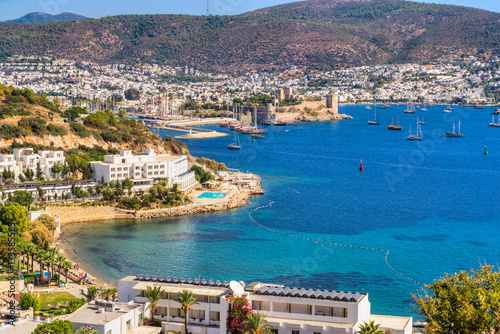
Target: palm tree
x,y
67,265
187,299
154,294
60,259
370,328
92,292
112,293
49,259
255,324
20,247
52,258
31,250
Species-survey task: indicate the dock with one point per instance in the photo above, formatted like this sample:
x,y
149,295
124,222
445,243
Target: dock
x,y
188,125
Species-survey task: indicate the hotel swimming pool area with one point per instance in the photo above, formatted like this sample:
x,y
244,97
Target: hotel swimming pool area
x,y
212,195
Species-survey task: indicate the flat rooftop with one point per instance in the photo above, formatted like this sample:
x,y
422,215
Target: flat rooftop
x,y
88,314
393,322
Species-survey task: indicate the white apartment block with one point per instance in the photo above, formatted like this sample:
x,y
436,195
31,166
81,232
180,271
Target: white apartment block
x,y
287,310
145,169
24,158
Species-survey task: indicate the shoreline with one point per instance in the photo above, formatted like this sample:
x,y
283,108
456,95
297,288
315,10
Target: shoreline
x,y
233,199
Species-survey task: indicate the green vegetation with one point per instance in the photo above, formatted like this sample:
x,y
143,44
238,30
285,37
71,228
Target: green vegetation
x,y
212,164
351,34
55,327
462,303
154,294
370,328
187,299
27,300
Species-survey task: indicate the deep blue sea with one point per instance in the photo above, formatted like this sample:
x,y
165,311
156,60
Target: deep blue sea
x,y
433,204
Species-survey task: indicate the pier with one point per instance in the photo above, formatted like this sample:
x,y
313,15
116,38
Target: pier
x,y
188,125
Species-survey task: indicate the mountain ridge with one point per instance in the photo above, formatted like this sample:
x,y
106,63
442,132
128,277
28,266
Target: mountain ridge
x,y
39,17
317,34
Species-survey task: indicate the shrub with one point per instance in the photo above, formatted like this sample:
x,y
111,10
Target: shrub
x,y
8,131
80,130
56,130
27,300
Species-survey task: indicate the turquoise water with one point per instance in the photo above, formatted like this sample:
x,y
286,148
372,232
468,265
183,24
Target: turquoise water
x,y
432,204
211,195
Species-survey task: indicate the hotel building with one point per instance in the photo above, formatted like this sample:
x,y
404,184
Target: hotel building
x,y
145,169
287,310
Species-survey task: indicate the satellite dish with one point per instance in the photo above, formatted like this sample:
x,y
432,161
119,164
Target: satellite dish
x,y
237,288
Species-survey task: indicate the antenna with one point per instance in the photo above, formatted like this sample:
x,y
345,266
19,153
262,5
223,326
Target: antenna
x,y
237,288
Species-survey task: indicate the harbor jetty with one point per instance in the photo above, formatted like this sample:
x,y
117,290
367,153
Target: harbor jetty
x,y
188,125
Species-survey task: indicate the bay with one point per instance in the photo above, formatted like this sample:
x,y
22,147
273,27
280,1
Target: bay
x,y
432,204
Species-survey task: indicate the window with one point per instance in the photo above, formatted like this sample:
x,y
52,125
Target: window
x,y
344,312
113,175
274,330
316,332
137,167
129,325
113,169
295,332
289,308
119,169
150,167
156,166
309,309
123,161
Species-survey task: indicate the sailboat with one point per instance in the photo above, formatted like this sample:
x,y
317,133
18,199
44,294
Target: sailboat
x,y
455,134
418,136
368,107
410,109
497,124
448,109
422,121
253,129
394,127
236,145
374,122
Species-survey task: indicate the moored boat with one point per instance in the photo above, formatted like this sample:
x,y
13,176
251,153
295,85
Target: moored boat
x,y
392,126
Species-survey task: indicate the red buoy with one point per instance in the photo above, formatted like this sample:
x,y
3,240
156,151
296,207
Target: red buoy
x,y
361,165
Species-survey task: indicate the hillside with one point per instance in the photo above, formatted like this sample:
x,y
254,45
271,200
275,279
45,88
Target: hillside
x,y
31,120
318,34
37,17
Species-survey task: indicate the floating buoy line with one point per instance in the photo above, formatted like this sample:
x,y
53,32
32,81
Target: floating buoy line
x,y
327,242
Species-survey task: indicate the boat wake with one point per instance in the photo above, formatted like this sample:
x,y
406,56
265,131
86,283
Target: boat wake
x,y
327,242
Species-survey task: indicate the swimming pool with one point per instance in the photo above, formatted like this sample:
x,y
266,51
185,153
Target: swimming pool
x,y
211,195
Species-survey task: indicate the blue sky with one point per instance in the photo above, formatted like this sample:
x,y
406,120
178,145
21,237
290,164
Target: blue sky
x,y
11,9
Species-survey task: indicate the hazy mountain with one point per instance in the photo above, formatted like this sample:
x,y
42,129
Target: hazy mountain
x,y
37,17
319,34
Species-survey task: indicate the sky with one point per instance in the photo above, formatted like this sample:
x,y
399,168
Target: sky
x,y
12,9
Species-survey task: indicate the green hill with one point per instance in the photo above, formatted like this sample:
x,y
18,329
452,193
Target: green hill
x,y
319,34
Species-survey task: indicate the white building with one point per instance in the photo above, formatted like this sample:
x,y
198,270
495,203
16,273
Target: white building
x,y
24,158
288,310
110,318
145,169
